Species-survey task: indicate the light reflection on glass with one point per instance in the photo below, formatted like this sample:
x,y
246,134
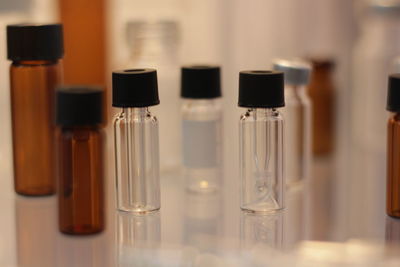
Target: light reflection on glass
x,y
203,215
36,230
137,237
294,216
392,232
265,230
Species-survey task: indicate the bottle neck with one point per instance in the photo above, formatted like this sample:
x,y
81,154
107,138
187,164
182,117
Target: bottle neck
x,y
137,112
94,127
396,116
263,112
35,62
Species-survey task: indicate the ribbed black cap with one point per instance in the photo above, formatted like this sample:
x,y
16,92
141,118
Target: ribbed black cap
x,y
393,98
35,42
261,89
79,105
135,88
200,82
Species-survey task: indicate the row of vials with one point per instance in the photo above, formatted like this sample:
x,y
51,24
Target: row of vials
x,y
75,153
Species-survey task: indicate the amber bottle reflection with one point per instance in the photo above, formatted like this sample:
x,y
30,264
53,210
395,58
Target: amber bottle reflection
x,y
80,152
35,71
322,94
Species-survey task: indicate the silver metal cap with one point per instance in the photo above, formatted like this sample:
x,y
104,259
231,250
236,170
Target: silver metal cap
x,y
297,72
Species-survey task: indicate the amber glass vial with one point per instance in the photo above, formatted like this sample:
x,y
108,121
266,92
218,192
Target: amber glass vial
x,y
80,151
35,52
393,148
322,94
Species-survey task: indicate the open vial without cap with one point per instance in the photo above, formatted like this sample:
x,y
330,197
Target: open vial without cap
x,y
261,141
136,140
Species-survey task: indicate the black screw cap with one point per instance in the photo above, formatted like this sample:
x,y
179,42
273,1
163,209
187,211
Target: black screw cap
x,y
135,88
35,42
200,82
261,89
79,105
393,98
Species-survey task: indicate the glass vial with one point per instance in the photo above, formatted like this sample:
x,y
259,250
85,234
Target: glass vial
x,y
322,94
35,51
393,148
261,132
80,150
155,44
297,113
136,140
201,127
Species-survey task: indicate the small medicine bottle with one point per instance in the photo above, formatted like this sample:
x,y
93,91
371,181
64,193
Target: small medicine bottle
x,y
261,134
393,147
297,114
80,151
35,51
136,140
201,127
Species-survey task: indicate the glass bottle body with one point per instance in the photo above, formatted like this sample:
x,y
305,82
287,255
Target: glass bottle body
x,y
155,45
393,167
297,113
32,104
137,160
322,94
201,143
261,160
80,187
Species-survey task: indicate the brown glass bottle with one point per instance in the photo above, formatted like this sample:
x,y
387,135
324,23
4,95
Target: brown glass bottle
x,y
393,165
35,51
393,147
322,93
80,152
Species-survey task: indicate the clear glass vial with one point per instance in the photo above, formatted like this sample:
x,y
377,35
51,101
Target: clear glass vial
x,y
393,148
155,44
80,145
201,127
297,113
36,51
261,132
136,140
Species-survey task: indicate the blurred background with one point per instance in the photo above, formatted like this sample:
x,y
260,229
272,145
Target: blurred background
x,y
353,45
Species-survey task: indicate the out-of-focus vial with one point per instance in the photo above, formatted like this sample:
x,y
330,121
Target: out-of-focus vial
x,y
136,140
393,147
297,113
201,127
36,51
261,132
80,143
155,44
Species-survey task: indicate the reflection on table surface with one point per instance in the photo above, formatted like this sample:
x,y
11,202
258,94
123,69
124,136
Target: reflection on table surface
x,y
193,229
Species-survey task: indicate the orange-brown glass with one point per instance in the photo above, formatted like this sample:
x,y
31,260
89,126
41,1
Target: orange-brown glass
x,y
393,167
32,107
322,94
80,187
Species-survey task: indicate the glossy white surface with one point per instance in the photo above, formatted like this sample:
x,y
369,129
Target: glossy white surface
x,y
193,230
